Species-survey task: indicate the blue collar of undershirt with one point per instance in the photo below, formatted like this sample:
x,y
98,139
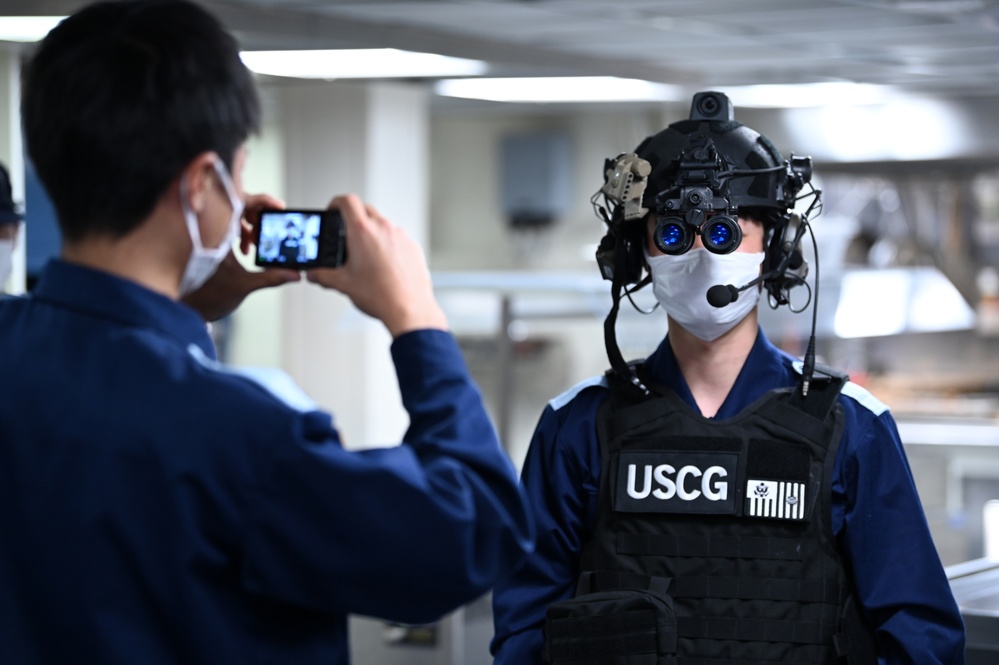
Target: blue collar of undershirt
x,y
765,368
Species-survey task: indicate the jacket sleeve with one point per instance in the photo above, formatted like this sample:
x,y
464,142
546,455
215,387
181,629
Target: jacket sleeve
x,y
406,533
877,516
563,458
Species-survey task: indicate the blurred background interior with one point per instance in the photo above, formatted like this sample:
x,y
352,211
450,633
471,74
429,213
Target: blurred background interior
x,y
482,127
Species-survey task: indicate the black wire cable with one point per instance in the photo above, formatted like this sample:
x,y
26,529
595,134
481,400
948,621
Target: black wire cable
x,y
808,366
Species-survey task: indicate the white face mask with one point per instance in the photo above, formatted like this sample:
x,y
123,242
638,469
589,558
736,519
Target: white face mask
x,y
205,261
681,283
6,261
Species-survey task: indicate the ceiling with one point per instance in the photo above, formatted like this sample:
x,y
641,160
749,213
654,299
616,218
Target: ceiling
x,y
929,47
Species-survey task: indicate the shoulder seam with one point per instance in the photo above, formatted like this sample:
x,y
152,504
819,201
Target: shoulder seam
x,y
276,383
570,394
863,397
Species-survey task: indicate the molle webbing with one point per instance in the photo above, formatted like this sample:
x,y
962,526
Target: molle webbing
x,y
775,589
756,630
734,547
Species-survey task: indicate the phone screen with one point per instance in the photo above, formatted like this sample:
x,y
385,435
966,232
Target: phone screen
x,y
298,239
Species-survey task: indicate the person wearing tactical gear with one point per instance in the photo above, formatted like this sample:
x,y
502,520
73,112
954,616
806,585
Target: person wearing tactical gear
x,y
719,502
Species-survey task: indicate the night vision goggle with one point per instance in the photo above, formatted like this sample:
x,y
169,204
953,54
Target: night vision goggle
x,y
719,231
699,204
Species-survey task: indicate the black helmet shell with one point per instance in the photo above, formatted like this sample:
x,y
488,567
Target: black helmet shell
x,y
741,147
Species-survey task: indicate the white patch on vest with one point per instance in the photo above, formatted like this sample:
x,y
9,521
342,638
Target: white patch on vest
x,y
777,499
273,380
571,393
711,489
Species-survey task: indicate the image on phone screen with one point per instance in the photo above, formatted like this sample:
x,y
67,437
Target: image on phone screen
x,y
289,238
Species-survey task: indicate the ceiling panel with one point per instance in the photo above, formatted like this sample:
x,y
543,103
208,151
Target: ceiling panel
x,y
932,46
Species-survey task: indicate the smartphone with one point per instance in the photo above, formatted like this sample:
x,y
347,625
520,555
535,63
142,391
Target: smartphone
x,y
300,239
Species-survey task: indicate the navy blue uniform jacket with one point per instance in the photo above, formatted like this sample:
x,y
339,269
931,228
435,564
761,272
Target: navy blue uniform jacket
x,y
156,507
876,515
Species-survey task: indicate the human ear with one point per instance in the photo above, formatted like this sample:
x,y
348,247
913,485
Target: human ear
x,y
196,181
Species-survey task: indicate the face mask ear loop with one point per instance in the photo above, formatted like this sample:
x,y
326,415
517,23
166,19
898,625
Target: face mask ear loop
x,y
190,217
230,191
227,185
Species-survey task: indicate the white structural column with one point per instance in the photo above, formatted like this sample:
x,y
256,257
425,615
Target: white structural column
x,y
10,100
370,139
11,151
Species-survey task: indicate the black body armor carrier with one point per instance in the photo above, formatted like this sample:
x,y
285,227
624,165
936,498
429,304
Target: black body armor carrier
x,y
731,518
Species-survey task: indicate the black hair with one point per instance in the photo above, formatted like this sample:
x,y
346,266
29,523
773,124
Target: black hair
x,y
120,97
770,218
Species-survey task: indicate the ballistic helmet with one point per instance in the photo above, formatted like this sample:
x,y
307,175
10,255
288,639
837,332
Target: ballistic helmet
x,y
683,154
697,176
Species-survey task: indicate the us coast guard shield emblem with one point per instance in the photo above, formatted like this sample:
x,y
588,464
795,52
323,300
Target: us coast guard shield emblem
x,y
779,499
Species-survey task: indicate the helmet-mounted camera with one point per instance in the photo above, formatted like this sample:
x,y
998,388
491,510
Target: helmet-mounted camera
x,y
712,106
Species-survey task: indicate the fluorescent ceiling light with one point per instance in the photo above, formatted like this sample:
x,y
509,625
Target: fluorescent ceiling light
x,y
899,300
907,128
559,89
359,63
26,28
803,95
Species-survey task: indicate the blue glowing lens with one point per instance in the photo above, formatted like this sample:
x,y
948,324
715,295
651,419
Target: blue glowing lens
x,y
672,235
719,234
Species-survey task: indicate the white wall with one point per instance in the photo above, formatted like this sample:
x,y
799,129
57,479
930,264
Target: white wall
x,y
256,337
468,229
321,139
11,151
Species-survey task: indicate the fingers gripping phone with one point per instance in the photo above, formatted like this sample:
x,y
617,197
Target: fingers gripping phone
x,y
300,239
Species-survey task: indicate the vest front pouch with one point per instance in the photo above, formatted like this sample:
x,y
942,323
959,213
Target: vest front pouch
x,y
632,626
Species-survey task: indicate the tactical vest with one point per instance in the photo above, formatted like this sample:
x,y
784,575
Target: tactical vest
x,y
731,518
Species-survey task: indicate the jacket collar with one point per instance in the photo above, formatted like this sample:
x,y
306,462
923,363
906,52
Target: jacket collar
x,y
765,368
113,299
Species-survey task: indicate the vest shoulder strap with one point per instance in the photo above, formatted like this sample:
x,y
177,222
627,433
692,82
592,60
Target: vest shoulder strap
x,y
625,391
826,385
